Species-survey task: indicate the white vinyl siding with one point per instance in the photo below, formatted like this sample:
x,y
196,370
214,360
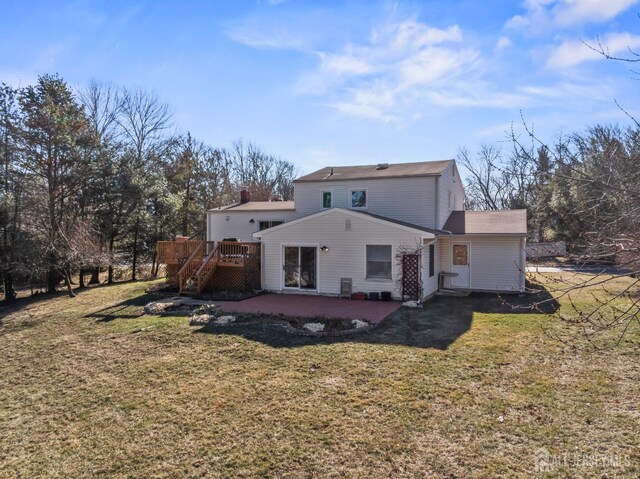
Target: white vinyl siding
x,y
239,223
495,262
405,199
430,284
346,257
451,194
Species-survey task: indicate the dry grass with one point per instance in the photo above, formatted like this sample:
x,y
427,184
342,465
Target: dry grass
x,y
118,394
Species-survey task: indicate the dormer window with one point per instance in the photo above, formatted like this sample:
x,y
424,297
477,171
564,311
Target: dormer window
x,y
359,198
327,201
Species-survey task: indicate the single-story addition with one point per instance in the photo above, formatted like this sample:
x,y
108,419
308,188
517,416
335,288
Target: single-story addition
x,y
399,228
315,252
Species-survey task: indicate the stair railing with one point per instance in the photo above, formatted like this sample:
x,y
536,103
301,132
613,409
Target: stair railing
x,y
190,266
208,266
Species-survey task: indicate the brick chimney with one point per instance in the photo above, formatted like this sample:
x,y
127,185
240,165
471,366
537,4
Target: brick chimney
x,y
245,195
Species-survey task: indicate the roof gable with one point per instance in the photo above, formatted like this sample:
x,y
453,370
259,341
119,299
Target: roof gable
x,y
425,232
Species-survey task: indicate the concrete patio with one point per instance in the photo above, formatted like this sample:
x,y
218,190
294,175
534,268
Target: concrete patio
x,y
297,305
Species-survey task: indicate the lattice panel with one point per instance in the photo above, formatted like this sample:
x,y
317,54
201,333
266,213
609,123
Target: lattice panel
x,y
171,274
411,276
226,279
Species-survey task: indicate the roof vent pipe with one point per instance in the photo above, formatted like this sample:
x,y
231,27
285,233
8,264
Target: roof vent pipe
x,y
382,166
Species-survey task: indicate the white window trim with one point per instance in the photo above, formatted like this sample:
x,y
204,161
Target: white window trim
x,y
366,194
300,245
379,280
322,199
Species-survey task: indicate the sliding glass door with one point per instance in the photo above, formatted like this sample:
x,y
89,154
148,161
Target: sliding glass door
x,y
300,267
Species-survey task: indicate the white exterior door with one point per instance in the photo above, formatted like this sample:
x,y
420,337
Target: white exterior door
x,y
460,265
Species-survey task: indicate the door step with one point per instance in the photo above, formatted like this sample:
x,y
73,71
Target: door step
x,y
452,292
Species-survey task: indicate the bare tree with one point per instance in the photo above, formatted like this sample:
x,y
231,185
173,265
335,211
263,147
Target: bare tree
x,y
264,174
487,186
144,120
594,181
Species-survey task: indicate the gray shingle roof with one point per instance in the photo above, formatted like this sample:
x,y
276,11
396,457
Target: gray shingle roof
x,y
258,206
394,170
487,222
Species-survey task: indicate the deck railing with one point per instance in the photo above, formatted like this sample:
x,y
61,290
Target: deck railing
x,y
170,252
233,253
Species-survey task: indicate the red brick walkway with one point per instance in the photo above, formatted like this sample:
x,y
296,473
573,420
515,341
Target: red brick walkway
x,y
312,306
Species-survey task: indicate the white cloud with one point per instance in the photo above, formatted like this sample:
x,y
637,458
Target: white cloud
x,y
345,64
252,36
503,43
541,15
569,12
390,71
575,52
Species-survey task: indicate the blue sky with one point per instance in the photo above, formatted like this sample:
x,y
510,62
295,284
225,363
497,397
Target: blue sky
x,y
328,83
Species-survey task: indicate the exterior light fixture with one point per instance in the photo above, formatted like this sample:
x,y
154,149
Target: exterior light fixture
x,y
252,220
324,248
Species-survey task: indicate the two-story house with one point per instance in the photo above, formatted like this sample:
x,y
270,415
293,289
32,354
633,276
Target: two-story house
x,y
376,228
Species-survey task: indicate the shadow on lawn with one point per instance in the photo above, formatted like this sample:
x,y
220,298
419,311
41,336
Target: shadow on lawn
x,y
130,309
438,325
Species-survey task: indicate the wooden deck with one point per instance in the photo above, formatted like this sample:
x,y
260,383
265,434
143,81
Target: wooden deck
x,y
196,266
175,252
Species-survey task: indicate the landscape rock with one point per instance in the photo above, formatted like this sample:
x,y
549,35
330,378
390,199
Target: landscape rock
x,y
225,319
359,323
198,319
412,304
314,327
156,307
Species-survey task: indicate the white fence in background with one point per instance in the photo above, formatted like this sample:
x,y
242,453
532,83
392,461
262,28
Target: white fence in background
x,y
543,250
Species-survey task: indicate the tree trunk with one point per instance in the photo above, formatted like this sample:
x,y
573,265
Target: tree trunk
x,y
67,282
154,272
81,284
9,292
52,279
110,272
135,251
95,275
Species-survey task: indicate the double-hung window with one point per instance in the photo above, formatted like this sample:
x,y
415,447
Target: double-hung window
x,y
378,261
327,201
358,198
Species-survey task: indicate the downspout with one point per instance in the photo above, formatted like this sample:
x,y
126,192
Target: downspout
x,y
523,264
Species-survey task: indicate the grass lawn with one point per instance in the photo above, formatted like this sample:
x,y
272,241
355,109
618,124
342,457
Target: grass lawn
x,y
90,387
